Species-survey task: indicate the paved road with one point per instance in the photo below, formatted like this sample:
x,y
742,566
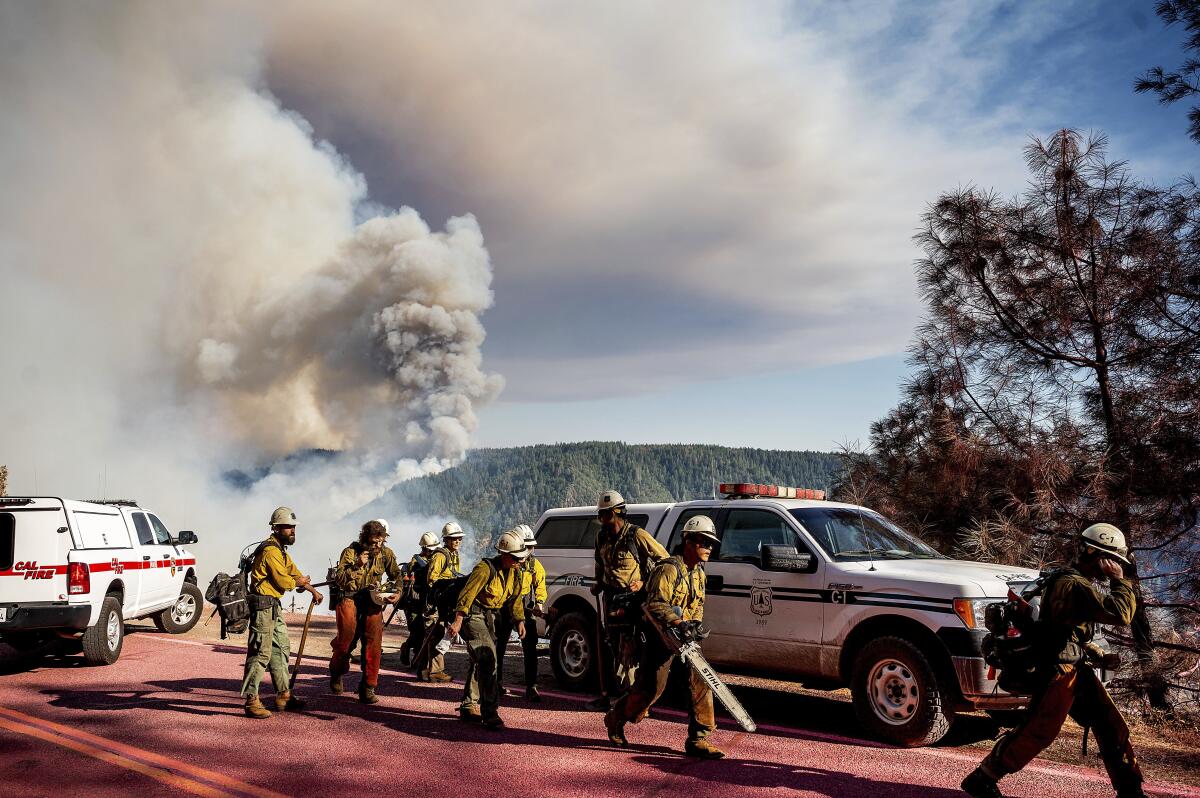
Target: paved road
x,y
166,720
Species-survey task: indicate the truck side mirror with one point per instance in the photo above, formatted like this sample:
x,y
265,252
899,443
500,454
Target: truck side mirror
x,y
187,536
777,557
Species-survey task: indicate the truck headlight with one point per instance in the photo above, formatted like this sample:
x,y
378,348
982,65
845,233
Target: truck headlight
x,y
971,611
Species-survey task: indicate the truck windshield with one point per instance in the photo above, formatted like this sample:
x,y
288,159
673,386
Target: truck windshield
x,y
850,534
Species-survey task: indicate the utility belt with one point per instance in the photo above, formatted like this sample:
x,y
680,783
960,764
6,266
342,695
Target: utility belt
x,y
260,602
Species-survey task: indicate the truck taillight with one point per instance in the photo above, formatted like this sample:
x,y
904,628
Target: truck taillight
x,y
79,578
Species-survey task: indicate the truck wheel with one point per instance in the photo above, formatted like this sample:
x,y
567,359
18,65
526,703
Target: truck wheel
x,y
572,651
183,614
897,695
103,640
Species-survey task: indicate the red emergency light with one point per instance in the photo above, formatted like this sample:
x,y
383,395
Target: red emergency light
x,y
743,490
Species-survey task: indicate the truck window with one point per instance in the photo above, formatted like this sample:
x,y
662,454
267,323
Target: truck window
x,y
746,531
675,544
8,525
161,535
145,536
576,531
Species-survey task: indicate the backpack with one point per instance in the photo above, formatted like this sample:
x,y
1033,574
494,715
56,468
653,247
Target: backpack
x,y
443,594
230,594
1018,644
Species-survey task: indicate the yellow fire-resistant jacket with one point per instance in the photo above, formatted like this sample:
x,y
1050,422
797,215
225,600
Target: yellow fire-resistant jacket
x,y
620,558
352,577
273,573
443,564
492,592
673,584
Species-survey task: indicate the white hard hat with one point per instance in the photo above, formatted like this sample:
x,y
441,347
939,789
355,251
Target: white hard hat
x,y
610,500
283,516
429,540
700,526
527,533
384,524
1108,539
452,530
512,542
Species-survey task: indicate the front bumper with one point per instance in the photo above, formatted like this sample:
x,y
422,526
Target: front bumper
x,y
45,615
966,653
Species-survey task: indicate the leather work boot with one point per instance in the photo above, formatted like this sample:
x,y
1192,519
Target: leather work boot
x,y
255,708
440,676
493,722
616,730
285,701
532,694
470,714
366,694
702,749
981,785
335,685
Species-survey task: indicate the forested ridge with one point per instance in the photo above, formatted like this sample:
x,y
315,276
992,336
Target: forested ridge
x,y
494,488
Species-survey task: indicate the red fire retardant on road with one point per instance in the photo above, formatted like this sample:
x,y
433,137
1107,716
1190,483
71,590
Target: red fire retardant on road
x,y
167,720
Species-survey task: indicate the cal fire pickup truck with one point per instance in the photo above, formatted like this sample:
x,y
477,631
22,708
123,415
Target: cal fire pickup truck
x,y
80,569
828,594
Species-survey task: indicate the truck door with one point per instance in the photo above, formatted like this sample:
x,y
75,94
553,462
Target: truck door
x,y
33,553
761,618
151,556
169,575
110,554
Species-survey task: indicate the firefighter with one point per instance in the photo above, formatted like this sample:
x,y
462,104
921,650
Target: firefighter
x,y
533,598
416,594
272,574
443,564
1070,609
675,595
360,572
625,553
489,593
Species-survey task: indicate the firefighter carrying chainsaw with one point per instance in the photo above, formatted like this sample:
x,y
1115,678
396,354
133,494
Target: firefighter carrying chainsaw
x,y
674,608
359,577
1056,666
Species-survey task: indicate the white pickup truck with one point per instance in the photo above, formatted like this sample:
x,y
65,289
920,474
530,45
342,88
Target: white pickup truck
x,y
80,569
823,593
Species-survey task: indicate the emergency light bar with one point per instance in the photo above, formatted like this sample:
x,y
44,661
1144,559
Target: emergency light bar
x,y
12,502
746,490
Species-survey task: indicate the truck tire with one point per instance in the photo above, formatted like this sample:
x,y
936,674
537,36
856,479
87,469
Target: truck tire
x,y
183,614
897,695
103,640
572,651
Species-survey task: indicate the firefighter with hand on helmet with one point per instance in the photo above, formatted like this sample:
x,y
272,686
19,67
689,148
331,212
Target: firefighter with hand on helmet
x,y
624,555
443,564
675,595
272,574
533,597
359,575
490,592
1071,607
418,589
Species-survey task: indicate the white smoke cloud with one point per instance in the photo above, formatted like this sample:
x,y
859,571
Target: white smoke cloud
x,y
189,284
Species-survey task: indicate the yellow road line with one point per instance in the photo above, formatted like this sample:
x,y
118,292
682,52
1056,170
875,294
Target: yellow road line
x,y
170,771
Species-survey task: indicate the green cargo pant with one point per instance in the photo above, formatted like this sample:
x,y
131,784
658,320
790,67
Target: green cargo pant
x,y
267,648
483,683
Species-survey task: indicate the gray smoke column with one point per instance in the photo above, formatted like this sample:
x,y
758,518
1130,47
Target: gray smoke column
x,y
377,350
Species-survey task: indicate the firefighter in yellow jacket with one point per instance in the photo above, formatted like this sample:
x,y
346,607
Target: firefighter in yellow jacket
x,y
624,555
1071,608
443,564
360,573
272,575
675,594
489,592
533,598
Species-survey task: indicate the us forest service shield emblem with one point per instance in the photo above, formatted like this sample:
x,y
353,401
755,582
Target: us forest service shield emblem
x,y
760,600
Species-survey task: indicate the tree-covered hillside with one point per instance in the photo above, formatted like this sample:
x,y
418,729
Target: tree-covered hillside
x,y
494,488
